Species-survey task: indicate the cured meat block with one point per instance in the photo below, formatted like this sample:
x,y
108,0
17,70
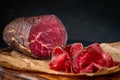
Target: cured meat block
x,y
36,36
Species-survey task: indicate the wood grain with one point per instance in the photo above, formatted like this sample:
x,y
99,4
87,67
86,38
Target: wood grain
x,y
8,74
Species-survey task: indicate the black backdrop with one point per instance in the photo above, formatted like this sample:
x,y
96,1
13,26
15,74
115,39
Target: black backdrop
x,y
85,20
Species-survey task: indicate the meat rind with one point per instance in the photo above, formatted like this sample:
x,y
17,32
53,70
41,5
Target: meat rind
x,y
18,34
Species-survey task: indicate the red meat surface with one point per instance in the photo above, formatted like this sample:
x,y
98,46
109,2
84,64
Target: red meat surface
x,y
92,59
89,59
48,33
36,36
61,60
74,49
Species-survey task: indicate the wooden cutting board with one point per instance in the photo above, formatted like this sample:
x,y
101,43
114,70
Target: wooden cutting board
x,y
8,74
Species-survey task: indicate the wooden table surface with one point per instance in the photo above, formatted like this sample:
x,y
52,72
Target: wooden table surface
x,y
8,74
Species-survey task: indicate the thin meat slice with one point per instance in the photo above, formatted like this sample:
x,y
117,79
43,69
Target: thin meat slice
x,y
60,60
107,59
92,57
74,49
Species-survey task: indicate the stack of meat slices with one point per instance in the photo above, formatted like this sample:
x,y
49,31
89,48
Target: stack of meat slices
x,y
74,58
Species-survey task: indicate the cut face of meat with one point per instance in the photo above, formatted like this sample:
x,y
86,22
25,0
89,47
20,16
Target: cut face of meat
x,y
89,59
46,34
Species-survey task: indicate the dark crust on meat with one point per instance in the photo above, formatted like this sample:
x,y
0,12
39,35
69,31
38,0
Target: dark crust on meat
x,y
13,34
16,33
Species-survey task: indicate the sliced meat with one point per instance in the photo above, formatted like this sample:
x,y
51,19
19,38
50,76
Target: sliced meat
x,y
89,59
93,56
74,49
60,60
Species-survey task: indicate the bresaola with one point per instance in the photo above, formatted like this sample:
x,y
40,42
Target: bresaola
x,y
92,59
61,60
74,58
36,35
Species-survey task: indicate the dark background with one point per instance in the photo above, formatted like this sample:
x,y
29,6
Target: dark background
x,y
85,20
